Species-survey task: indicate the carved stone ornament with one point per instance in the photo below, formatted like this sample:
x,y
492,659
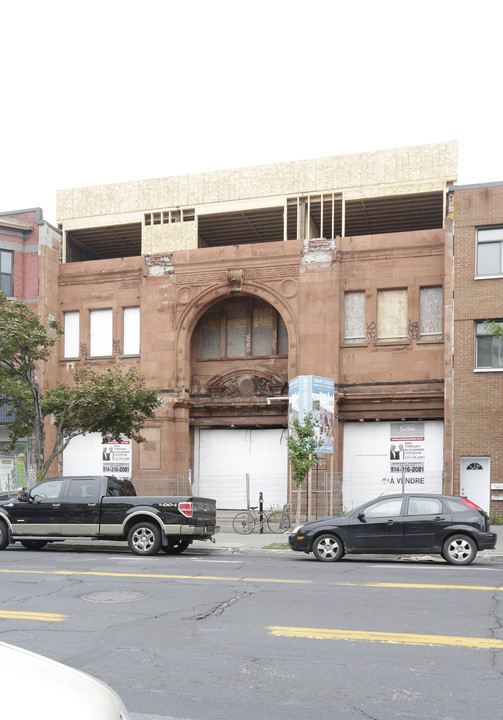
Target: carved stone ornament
x,y
235,277
247,383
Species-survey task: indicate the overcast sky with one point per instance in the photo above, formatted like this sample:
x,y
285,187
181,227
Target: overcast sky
x,y
97,92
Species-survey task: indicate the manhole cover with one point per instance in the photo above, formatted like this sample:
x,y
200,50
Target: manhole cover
x,y
114,596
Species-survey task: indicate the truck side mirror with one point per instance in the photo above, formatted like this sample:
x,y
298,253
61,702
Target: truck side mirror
x,y
23,495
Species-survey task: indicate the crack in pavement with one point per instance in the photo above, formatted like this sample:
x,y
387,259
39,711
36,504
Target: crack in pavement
x,y
218,609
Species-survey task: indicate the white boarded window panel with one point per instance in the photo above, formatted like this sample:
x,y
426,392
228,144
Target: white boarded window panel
x,y
430,313
391,314
131,331
72,329
354,317
101,333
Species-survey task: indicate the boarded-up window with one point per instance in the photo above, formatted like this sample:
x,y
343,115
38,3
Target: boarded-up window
x,y
131,331
71,327
101,333
430,313
391,314
354,317
210,336
236,333
262,331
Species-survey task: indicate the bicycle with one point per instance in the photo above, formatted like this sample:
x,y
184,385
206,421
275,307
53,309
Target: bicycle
x,y
278,520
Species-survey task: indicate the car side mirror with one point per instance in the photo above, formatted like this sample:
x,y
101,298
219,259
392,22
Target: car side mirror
x,y
361,517
23,495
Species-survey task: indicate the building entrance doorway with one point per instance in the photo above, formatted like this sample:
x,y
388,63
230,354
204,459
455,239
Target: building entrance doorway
x,y
476,480
232,463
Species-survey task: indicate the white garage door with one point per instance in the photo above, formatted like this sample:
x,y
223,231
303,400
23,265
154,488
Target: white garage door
x,y
224,458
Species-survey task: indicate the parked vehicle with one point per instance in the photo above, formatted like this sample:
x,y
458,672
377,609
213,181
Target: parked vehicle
x,y
449,525
104,508
52,691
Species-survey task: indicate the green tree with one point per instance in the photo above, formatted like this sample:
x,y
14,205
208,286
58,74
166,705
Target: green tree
x,y
495,328
113,402
302,445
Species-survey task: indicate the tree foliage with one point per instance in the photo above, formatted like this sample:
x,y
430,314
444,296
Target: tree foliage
x,y
302,445
113,403
495,328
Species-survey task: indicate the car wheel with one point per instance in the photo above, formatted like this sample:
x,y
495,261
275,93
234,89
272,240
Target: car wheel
x,y
4,535
459,550
144,539
175,547
328,548
33,544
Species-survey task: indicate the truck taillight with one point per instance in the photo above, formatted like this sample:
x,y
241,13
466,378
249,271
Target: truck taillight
x,y
186,508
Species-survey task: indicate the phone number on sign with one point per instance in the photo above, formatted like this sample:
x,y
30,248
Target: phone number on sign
x,y
116,468
407,468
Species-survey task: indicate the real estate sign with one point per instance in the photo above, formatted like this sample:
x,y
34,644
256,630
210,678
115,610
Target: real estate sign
x,y
314,394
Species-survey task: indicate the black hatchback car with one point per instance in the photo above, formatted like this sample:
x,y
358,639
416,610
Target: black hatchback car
x,y
449,525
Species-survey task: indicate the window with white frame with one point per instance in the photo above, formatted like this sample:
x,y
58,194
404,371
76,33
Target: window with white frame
x,y
101,330
489,345
354,317
71,324
391,314
7,272
131,331
430,313
490,251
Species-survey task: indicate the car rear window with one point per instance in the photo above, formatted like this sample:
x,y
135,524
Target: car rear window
x,y
457,507
424,506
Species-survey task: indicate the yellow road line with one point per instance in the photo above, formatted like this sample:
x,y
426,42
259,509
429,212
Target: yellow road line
x,y
155,575
20,615
385,637
422,586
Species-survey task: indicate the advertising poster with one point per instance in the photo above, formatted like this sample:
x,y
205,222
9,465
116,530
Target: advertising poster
x,y
407,453
315,394
116,457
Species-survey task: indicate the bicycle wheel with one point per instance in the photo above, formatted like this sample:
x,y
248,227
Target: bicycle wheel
x,y
278,521
243,523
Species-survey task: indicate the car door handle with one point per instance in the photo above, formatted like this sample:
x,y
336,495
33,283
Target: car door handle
x,y
439,518
56,504
91,505
391,522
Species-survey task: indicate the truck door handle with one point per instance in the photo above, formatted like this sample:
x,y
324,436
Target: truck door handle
x,y
92,505
391,522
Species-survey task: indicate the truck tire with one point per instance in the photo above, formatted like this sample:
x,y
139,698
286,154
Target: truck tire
x,y
144,538
4,535
176,546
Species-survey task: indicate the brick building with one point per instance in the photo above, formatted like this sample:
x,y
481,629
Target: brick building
x,y
30,253
474,390
222,287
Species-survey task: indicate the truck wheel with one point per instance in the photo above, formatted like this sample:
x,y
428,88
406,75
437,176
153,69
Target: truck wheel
x,y
33,544
144,539
176,546
4,535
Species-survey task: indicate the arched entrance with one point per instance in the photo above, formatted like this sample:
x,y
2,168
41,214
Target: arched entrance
x,y
239,388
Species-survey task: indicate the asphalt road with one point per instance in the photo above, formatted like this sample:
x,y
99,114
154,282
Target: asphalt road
x,y
212,635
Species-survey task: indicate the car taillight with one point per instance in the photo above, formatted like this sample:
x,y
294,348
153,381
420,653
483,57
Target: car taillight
x,y
465,501
186,508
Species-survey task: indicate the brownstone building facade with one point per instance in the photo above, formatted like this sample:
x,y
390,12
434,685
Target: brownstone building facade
x,y
222,287
30,254
474,397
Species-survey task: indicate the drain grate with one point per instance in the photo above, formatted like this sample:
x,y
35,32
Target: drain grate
x,y
114,596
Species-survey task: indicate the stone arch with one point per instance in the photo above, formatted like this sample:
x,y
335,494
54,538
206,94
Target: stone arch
x,y
196,307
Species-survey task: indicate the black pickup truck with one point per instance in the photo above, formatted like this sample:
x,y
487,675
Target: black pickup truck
x,y
104,508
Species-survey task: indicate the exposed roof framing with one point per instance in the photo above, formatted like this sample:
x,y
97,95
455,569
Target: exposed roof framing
x,y
241,227
104,242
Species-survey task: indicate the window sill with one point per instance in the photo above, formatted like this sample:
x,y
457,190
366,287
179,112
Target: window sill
x,y
488,277
130,357
388,343
429,342
346,345
488,370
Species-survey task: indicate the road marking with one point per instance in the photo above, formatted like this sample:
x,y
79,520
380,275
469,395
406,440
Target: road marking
x,y
19,615
385,637
421,586
157,575
163,576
